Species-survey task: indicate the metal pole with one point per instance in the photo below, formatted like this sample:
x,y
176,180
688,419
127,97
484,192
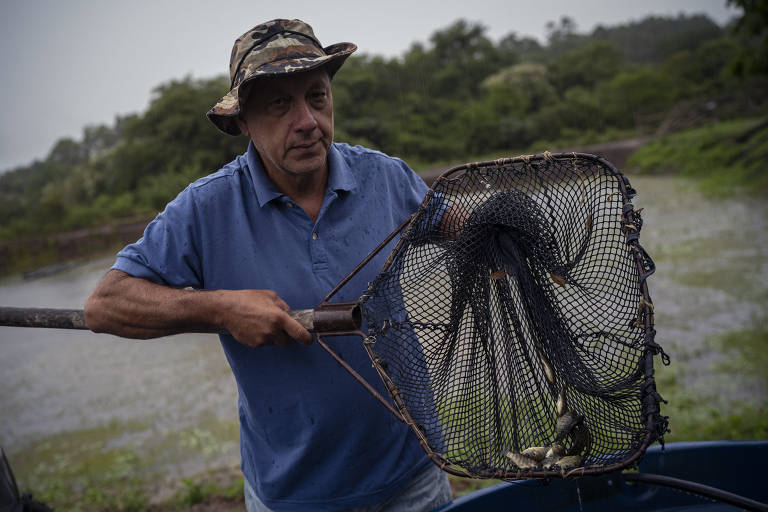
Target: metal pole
x,y
332,319
43,317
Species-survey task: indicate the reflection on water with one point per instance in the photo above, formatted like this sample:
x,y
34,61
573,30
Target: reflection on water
x,y
712,277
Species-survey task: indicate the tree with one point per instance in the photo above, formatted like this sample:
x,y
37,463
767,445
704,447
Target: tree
x,y
653,39
562,36
525,49
703,71
585,66
751,28
462,56
633,95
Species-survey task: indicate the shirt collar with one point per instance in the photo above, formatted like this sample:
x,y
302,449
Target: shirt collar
x,y
340,175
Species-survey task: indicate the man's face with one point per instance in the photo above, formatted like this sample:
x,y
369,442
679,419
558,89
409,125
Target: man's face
x,y
290,121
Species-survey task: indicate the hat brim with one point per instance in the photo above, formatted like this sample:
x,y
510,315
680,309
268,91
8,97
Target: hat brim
x,y
225,112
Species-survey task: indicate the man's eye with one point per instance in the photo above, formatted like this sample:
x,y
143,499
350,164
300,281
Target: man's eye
x,y
319,96
278,102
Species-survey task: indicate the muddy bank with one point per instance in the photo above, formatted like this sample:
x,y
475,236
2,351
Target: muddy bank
x,y
40,256
616,153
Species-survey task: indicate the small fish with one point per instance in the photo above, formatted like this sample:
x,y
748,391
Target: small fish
x,y
570,461
521,461
550,374
565,424
556,450
550,462
581,439
588,223
562,407
499,274
536,453
558,279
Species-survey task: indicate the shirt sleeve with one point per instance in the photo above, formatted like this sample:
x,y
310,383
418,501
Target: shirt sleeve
x,y
168,253
412,186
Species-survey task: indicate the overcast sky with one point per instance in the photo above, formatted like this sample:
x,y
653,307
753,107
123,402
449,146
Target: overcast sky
x,y
67,64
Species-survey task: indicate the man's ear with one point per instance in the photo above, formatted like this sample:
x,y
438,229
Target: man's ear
x,y
243,126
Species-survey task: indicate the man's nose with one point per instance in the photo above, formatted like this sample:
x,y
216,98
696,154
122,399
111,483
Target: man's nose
x,y
305,118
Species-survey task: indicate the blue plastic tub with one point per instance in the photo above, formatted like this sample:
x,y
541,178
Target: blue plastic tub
x,y
733,466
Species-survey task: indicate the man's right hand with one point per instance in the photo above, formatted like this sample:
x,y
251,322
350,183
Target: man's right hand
x,y
132,307
260,317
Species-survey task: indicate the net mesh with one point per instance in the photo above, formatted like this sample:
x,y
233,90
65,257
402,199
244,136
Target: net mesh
x,y
512,322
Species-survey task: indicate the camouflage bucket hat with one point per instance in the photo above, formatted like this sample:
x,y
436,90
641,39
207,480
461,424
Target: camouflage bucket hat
x,y
273,48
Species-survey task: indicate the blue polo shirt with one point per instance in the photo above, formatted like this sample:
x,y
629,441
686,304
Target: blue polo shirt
x,y
311,437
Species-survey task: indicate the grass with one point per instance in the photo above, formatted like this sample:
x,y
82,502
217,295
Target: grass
x,y
196,491
461,486
724,157
120,466
71,471
706,414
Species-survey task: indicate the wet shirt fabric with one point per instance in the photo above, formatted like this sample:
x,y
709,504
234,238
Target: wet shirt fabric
x,y
311,437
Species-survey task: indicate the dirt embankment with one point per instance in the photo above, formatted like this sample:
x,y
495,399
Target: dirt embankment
x,y
38,256
615,152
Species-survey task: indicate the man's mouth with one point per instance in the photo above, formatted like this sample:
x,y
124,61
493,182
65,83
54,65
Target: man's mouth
x,y
305,146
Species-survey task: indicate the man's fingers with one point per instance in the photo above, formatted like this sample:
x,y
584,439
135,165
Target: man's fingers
x,y
275,298
296,331
282,304
260,317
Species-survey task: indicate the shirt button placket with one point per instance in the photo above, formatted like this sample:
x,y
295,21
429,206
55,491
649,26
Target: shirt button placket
x,y
317,250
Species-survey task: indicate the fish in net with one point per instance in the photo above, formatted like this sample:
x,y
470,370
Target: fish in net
x,y
512,323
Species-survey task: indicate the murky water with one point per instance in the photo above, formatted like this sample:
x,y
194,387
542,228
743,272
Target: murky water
x,y
56,381
712,277
712,273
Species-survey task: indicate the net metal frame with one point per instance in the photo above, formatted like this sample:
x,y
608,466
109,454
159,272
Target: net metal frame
x,y
514,314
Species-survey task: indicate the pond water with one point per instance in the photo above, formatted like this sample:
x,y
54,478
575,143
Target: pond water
x,y
56,381
712,278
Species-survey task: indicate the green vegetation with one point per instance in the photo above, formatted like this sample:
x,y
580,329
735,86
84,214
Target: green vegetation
x,y
722,157
461,486
130,170
121,467
749,356
456,98
698,414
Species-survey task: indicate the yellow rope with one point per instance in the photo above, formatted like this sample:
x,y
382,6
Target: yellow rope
x,y
644,302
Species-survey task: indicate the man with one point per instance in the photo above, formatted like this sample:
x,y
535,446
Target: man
x,y
276,228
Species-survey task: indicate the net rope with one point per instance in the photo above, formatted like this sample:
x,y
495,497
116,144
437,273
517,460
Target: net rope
x,y
512,319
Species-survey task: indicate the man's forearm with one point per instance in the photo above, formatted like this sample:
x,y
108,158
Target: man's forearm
x,y
131,307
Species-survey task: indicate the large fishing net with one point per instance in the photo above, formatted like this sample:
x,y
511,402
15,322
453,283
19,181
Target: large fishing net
x,y
512,323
